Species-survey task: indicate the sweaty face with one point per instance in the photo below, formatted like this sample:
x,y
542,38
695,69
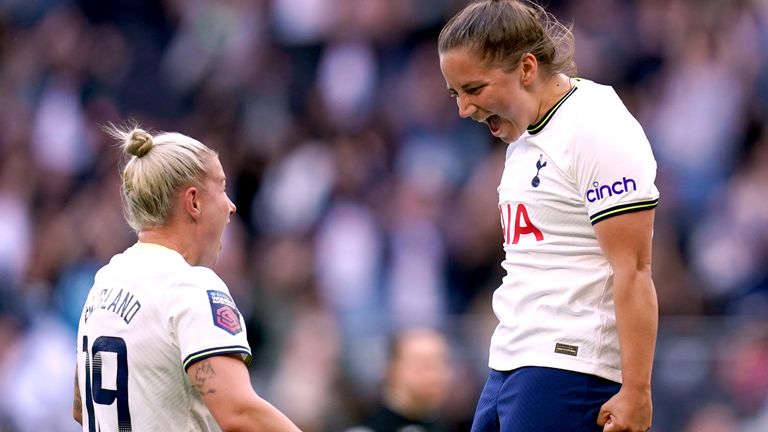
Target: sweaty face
x,y
215,210
488,94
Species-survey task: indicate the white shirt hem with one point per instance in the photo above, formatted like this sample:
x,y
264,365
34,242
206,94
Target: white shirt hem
x,y
575,365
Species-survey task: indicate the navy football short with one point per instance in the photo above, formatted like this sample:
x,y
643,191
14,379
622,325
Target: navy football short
x,y
539,399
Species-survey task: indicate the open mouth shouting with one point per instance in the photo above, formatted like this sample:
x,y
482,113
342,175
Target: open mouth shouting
x,y
494,123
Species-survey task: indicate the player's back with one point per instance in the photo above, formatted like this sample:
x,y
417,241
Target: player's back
x,y
130,358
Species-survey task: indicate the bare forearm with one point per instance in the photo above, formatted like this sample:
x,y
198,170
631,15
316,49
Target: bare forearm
x,y
260,416
626,242
637,322
225,387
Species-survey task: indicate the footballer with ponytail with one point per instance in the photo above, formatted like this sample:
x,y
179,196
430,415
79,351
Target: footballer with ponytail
x,y
157,317
577,309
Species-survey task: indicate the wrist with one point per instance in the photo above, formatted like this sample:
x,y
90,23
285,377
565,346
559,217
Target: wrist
x,y
634,387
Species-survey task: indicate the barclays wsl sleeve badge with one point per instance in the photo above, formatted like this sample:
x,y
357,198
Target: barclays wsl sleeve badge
x,y
225,313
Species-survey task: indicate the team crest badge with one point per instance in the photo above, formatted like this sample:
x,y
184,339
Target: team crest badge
x,y
536,181
225,313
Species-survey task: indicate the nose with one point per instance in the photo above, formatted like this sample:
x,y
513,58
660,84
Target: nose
x,y
466,107
232,207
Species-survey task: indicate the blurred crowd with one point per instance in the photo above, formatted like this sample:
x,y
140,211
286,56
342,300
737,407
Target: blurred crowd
x,y
365,205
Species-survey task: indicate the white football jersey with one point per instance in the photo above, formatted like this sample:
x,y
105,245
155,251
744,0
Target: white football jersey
x,y
586,160
148,317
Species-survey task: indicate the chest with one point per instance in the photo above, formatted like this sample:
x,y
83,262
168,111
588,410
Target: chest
x,y
538,197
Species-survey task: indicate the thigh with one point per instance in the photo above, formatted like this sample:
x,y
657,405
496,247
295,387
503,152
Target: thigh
x,y
536,399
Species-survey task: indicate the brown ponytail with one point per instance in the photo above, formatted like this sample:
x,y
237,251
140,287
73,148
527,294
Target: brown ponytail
x,y
501,31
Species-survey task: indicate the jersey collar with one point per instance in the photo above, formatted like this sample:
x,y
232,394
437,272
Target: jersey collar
x,y
539,125
156,247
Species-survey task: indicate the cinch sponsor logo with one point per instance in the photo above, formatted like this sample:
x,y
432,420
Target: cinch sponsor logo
x,y
616,188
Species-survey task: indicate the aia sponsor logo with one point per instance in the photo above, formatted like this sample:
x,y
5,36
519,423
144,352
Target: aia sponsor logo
x,y
517,225
618,187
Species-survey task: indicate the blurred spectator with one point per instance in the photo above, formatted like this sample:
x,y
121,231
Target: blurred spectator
x,y
37,370
415,384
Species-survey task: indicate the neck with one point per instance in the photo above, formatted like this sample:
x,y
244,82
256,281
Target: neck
x,y
552,90
166,238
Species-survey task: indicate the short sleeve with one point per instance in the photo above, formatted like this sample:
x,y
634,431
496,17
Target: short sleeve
x,y
206,320
614,167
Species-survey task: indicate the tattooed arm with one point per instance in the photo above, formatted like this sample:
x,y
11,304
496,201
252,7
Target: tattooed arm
x,y
77,405
203,378
225,386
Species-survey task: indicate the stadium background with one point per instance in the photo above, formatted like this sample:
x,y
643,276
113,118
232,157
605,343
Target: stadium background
x,y
364,203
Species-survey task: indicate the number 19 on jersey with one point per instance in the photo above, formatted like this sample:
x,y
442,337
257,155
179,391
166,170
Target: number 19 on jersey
x,y
107,355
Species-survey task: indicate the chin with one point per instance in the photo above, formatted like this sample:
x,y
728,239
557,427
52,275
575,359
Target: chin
x,y
509,139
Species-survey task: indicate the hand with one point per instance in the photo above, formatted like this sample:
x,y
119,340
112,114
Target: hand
x,y
629,410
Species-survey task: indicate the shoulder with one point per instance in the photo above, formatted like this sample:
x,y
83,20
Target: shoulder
x,y
129,265
603,122
199,291
201,278
598,103
204,274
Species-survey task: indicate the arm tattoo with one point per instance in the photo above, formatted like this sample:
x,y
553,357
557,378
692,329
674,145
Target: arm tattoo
x,y
202,375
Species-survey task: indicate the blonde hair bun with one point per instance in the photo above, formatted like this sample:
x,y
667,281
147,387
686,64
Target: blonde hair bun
x,y
139,143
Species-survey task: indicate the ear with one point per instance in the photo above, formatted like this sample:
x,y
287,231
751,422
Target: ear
x,y
529,68
191,202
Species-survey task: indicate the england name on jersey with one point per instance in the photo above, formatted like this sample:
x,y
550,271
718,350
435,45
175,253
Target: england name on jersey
x,y
147,318
585,161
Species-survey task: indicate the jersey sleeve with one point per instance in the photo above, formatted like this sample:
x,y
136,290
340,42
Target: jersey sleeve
x,y
206,320
613,165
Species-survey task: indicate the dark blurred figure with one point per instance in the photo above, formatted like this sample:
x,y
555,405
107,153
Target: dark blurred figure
x,y
416,383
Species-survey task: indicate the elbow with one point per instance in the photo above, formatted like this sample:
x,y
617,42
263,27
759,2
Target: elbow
x,y
235,421
229,426
234,426
642,266
632,281
633,270
636,289
249,418
645,273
